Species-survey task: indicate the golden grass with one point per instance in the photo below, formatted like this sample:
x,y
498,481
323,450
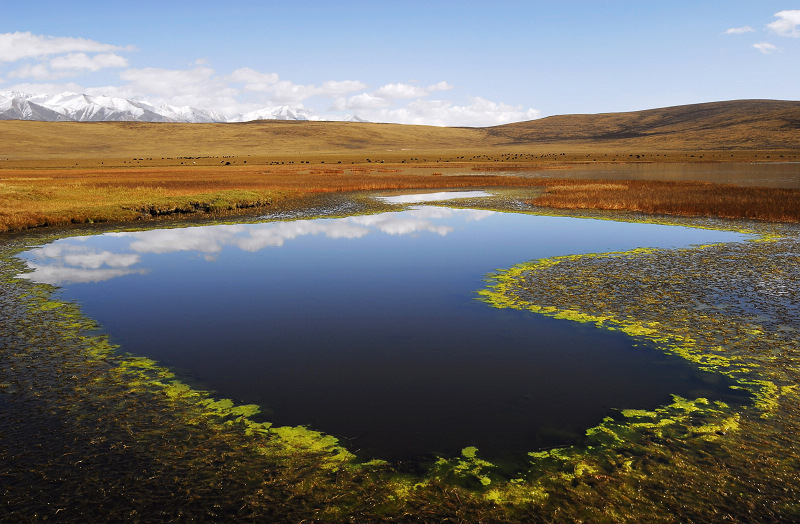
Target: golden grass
x,y
66,172
676,198
31,198
63,196
726,131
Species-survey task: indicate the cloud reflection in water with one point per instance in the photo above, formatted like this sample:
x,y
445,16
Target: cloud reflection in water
x,y
71,260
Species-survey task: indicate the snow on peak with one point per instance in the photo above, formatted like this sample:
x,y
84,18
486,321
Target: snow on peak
x,y
100,108
277,113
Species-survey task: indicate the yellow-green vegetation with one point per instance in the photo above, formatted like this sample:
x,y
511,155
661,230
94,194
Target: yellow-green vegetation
x,y
730,308
121,433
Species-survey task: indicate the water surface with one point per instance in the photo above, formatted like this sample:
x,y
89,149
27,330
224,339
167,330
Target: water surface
x,y
367,327
758,174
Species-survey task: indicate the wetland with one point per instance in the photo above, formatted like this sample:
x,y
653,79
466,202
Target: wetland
x,y
367,327
604,369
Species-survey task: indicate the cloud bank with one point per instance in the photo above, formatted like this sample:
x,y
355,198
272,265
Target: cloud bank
x,y
787,23
53,64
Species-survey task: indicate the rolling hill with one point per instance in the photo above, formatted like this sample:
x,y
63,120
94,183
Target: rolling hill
x,y
719,126
740,124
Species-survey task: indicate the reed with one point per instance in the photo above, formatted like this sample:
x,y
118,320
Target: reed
x,y
675,198
41,197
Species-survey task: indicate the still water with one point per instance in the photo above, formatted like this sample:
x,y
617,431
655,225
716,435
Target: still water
x,y
367,327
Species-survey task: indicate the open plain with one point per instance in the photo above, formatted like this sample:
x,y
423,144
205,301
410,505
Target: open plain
x,y
55,173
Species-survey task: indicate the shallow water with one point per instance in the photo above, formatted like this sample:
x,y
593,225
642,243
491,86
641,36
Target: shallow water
x,y
761,174
367,327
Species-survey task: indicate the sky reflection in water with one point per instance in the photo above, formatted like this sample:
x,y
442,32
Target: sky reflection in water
x,y
366,327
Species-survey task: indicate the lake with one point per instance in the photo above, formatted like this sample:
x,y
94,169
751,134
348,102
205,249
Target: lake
x,y
368,328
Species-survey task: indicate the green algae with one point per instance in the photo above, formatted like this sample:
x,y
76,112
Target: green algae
x,y
627,469
734,342
464,470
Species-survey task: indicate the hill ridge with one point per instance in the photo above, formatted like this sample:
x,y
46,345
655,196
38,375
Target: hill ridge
x,y
689,119
745,125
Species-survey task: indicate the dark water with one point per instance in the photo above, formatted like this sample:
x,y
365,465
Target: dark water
x,y
367,327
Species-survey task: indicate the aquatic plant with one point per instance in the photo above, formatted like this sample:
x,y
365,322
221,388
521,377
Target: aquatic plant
x,y
131,440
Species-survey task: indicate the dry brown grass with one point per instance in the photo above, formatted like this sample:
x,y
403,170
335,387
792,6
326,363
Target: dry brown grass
x,y
723,131
31,198
63,172
676,198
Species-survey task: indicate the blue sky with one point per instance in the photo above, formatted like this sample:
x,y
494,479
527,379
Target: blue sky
x,y
434,62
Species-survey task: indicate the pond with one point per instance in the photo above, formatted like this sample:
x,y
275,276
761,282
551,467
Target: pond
x,y
368,328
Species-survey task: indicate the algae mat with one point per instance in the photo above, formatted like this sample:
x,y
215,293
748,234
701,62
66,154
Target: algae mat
x,y
89,433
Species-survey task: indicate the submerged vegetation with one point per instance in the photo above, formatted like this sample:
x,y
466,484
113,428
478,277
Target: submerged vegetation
x,y
121,434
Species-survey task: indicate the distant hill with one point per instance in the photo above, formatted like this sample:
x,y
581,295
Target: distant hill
x,y
743,125
748,124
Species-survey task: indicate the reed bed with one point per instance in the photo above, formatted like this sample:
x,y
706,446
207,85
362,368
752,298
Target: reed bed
x,y
41,197
33,198
675,198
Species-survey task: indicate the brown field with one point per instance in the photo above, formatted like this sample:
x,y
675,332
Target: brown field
x,y
68,172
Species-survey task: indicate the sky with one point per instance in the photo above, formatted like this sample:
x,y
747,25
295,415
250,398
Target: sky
x,y
434,62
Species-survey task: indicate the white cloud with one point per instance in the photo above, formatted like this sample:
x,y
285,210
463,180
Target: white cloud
x,y
71,64
479,112
59,275
253,80
410,91
788,23
62,263
36,72
286,92
46,59
765,47
19,45
362,102
336,88
47,88
198,87
90,63
169,81
417,198
739,30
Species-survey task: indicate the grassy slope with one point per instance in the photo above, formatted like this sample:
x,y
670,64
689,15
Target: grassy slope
x,y
741,124
49,140
62,172
737,125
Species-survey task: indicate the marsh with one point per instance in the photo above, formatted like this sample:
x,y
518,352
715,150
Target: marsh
x,y
367,327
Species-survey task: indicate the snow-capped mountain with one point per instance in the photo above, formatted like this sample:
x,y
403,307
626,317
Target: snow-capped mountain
x,y
190,114
89,108
73,106
277,113
354,118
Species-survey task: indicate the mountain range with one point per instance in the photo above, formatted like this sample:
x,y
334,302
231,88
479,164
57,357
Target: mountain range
x,y
90,108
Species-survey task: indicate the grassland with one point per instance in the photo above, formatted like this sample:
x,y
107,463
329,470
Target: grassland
x,y
54,173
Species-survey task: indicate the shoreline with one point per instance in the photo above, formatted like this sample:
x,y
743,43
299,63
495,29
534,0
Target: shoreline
x,y
33,198
99,395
